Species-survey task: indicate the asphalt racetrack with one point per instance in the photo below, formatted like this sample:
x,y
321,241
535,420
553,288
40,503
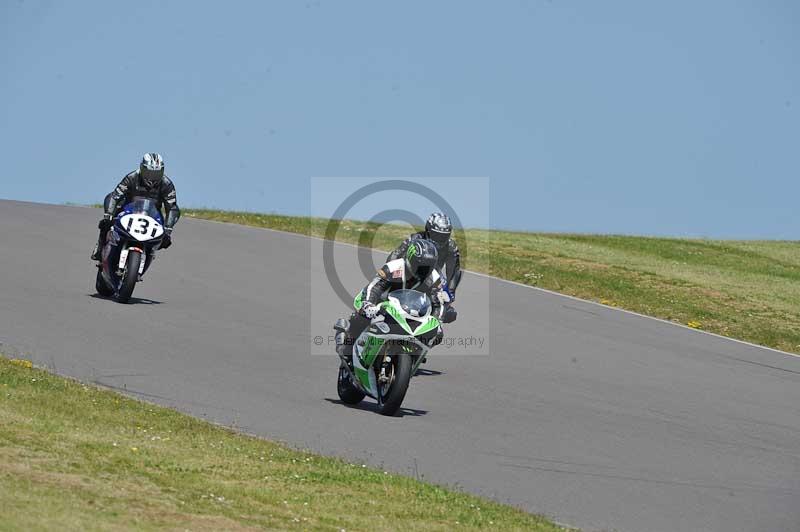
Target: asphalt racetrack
x,y
597,418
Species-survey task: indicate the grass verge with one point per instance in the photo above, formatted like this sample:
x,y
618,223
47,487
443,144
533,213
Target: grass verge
x,y
748,290
77,457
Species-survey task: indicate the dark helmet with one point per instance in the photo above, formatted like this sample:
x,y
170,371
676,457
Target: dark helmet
x,y
438,228
421,258
151,169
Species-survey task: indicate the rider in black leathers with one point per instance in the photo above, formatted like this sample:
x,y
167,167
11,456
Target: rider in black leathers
x,y
148,181
415,270
438,229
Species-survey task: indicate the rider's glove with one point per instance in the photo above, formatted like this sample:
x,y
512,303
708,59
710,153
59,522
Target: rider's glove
x,y
449,315
443,297
106,222
370,310
166,240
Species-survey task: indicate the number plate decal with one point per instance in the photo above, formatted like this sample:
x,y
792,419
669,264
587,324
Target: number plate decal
x,y
142,227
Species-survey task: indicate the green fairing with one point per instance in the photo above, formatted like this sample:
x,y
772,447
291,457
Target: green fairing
x,y
371,350
358,301
387,306
429,325
363,377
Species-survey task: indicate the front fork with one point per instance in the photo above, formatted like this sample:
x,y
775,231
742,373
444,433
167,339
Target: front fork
x,y
123,259
376,377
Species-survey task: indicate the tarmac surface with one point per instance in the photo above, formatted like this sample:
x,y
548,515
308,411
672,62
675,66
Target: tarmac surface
x,y
597,418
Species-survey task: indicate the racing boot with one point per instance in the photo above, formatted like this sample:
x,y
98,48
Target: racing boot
x,y
104,226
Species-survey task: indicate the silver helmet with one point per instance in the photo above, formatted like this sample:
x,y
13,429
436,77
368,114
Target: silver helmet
x,y
151,169
438,228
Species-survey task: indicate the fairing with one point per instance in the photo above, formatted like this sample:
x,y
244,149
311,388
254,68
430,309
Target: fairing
x,y
119,238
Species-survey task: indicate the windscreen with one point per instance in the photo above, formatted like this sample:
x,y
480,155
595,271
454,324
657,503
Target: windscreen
x,y
144,205
412,302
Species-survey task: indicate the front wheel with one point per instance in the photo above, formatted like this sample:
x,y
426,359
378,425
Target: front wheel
x,y
394,391
131,275
348,393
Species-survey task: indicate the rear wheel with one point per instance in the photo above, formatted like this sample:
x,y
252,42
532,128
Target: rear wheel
x,y
100,285
131,275
348,393
398,371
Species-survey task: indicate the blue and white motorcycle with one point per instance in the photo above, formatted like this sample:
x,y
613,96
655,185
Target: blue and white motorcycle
x,y
130,248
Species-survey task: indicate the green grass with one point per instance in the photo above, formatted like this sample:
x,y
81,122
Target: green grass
x,y
748,290
80,458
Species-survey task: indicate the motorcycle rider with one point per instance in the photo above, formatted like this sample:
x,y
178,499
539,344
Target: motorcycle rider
x,y
439,230
416,270
148,181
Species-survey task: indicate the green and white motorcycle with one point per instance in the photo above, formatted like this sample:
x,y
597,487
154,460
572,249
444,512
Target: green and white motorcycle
x,y
389,351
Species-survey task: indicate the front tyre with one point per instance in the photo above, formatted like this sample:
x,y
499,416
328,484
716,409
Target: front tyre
x,y
398,386
100,285
131,275
348,393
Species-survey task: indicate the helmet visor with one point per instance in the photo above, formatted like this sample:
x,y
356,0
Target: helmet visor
x,y
152,178
439,237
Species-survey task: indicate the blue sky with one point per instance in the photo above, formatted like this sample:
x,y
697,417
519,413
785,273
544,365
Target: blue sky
x,y
678,118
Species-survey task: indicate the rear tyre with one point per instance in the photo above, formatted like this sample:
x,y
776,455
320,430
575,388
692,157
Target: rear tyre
x,y
130,277
348,393
398,386
100,285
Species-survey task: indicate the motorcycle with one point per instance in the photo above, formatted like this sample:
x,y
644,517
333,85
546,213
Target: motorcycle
x,y
130,248
388,352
